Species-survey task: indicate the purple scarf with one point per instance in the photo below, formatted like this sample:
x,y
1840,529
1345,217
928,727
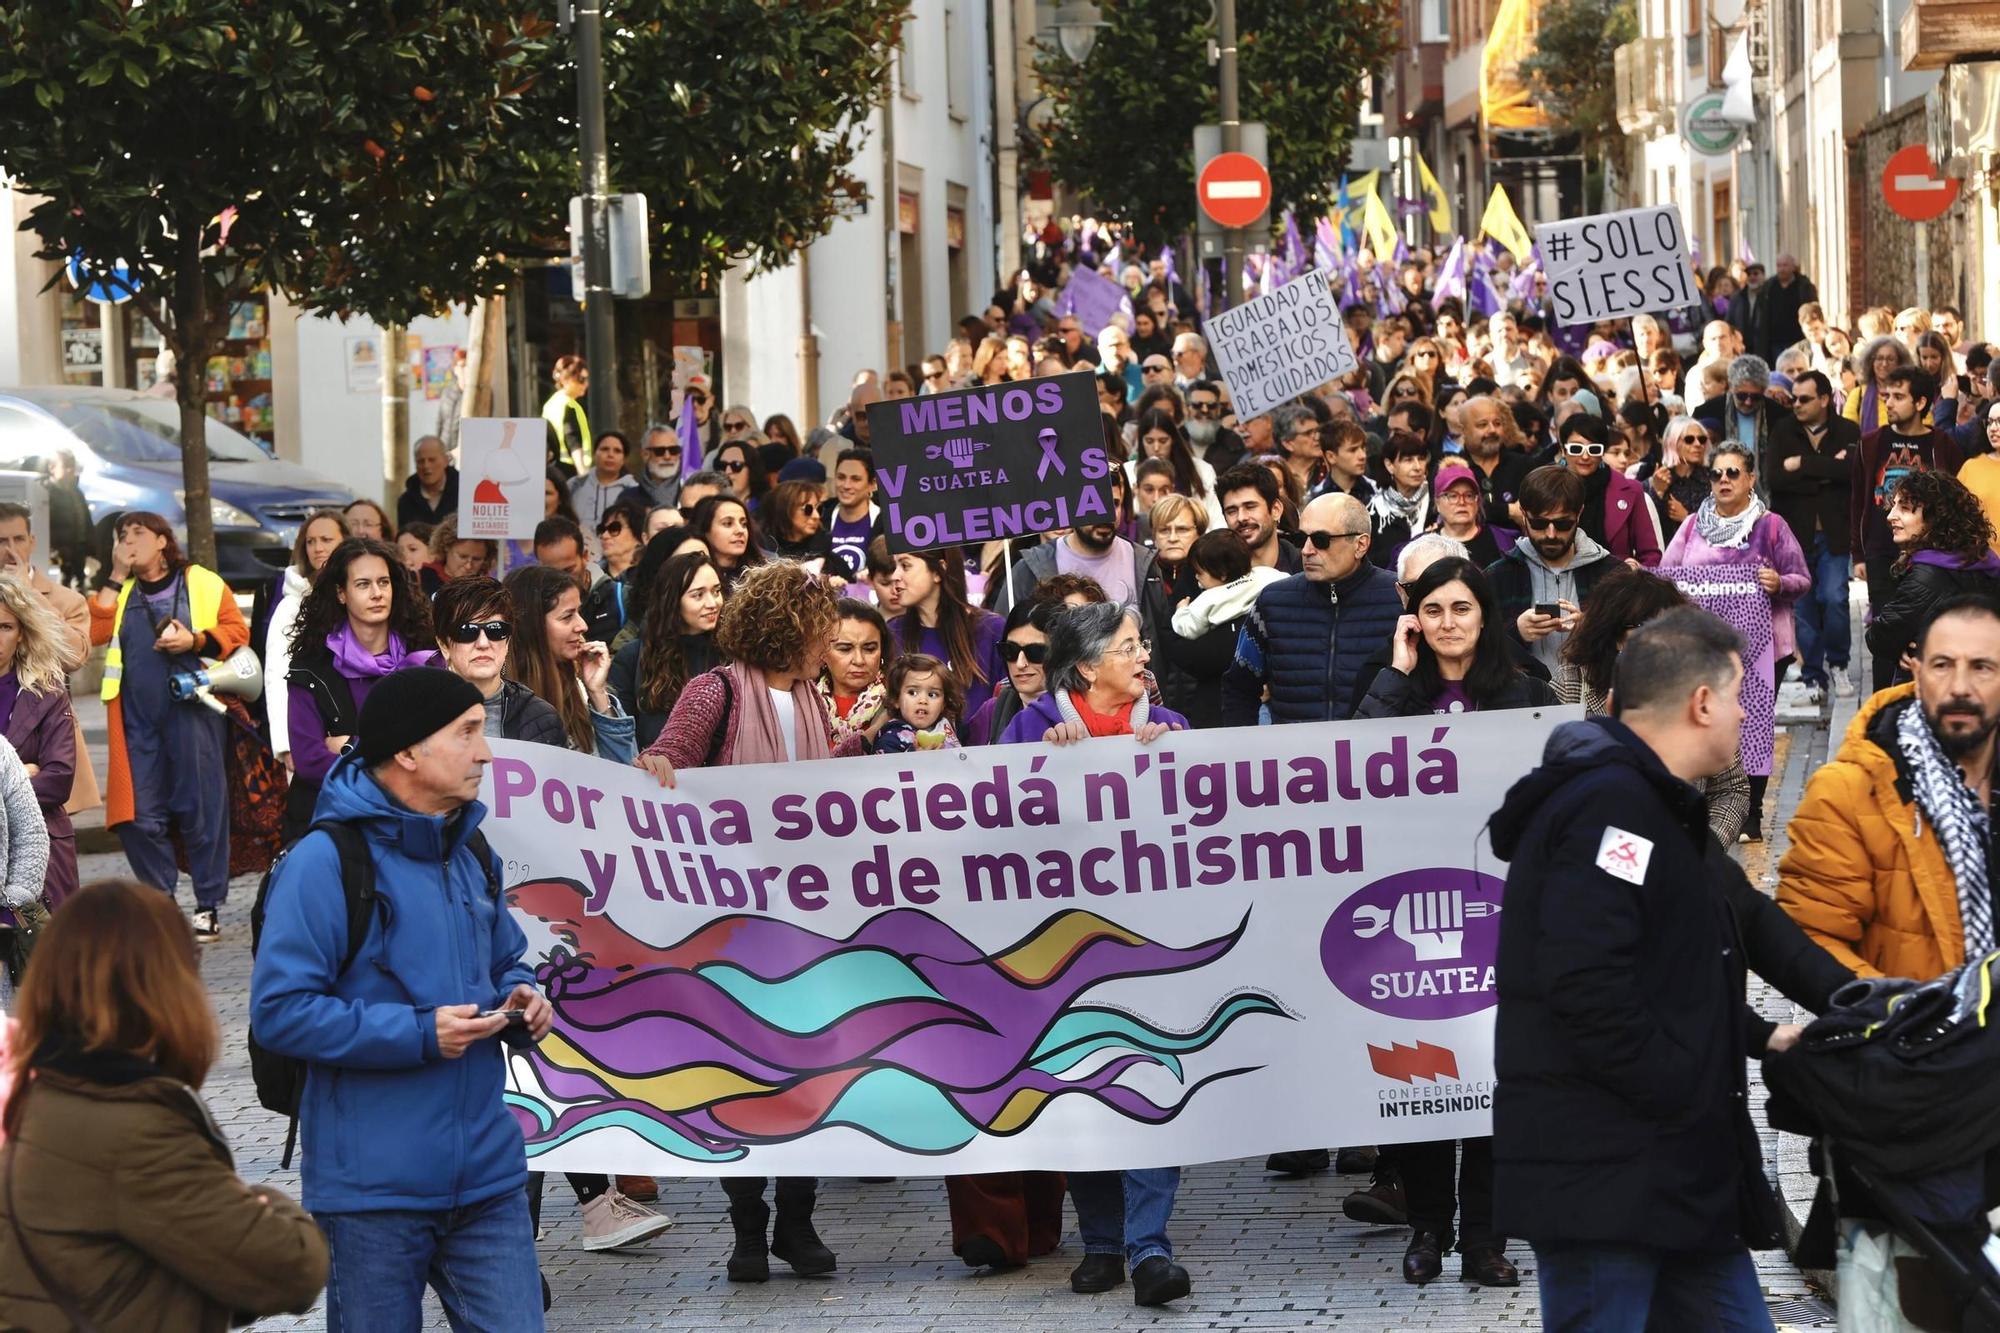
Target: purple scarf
x,y
358,663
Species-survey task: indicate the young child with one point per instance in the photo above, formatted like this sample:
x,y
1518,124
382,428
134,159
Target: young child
x,y
923,700
1229,584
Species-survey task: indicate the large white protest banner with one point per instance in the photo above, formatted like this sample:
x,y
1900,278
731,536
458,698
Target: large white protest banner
x,y
1611,265
1103,955
1283,344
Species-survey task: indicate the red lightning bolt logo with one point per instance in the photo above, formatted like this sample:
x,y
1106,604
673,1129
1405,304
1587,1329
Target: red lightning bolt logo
x,y
1408,1063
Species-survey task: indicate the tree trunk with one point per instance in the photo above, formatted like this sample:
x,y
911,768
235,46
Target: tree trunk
x,y
395,414
192,340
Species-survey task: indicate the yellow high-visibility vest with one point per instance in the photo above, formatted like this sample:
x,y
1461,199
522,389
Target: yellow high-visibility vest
x,y
552,412
205,593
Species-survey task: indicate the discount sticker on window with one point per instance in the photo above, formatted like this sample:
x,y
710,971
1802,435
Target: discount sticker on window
x,y
1611,265
997,461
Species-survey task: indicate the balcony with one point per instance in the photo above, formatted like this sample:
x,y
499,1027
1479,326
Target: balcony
x,y
1936,33
1643,72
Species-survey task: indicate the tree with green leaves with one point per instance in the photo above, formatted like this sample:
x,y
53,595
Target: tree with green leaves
x,y
739,120
357,158
1122,124
1572,68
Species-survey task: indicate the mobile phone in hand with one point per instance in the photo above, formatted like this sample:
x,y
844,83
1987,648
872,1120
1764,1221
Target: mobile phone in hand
x,y
516,1018
1548,609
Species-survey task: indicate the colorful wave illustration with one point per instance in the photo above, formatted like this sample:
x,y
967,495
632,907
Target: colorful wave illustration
x,y
751,1031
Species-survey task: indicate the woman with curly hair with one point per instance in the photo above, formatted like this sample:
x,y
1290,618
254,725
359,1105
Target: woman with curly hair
x,y
1944,545
675,644
362,620
1877,357
762,708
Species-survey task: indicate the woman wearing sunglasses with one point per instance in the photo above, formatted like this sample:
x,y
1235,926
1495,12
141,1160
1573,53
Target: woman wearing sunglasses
x,y
1616,513
1733,527
1681,479
743,463
1024,649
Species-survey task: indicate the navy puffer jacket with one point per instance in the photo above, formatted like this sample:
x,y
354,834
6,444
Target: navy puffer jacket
x,y
1308,642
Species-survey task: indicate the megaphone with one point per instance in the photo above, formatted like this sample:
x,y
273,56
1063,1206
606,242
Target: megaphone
x,y
240,674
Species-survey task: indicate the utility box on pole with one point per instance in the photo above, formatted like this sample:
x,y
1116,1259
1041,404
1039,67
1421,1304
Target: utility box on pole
x,y
631,244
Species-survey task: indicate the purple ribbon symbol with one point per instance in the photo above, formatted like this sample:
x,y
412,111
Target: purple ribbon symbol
x,y
1050,458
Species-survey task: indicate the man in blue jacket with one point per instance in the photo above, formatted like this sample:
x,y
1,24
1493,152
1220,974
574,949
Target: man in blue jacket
x,y
413,1167
1309,635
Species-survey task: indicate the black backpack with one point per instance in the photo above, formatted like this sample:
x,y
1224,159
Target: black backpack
x,y
281,1079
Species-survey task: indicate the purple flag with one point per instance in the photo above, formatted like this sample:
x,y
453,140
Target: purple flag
x,y
1295,245
1326,245
1386,302
690,432
1482,297
1093,298
1173,278
1522,288
1451,273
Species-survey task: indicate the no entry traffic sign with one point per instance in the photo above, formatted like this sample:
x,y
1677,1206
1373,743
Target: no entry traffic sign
x,y
1912,186
1233,189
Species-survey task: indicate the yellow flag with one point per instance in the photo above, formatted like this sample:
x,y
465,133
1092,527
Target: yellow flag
x,y
1501,223
1379,226
1434,195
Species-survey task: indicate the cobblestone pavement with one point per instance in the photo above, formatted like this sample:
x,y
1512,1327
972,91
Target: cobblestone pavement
x,y
1264,1253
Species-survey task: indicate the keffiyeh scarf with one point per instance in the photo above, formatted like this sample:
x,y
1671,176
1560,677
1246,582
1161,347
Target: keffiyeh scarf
x,y
1960,820
1723,532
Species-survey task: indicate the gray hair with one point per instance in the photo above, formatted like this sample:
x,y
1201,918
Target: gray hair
x,y
1426,551
1189,342
705,477
1288,420
1748,369
1793,362
1079,636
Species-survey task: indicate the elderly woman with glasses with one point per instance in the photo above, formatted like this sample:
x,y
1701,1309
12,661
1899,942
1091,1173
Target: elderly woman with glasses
x,y
1732,527
1094,662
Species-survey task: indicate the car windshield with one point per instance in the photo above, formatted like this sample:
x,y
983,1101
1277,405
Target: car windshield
x,y
144,431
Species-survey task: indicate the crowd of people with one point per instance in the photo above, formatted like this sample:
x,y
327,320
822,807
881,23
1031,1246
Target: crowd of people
x,y
1475,519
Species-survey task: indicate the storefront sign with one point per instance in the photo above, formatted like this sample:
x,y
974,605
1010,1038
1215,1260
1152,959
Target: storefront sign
x,y
1000,460
1099,956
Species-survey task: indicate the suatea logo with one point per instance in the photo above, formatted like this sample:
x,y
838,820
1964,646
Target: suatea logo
x,y
1408,1063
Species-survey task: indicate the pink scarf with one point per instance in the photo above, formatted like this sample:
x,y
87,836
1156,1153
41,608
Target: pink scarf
x,y
757,737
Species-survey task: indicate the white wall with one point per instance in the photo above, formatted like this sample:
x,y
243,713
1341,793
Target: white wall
x,y
340,433
848,266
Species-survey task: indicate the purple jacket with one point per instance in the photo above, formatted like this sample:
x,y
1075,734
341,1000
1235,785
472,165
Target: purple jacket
x,y
1032,722
43,731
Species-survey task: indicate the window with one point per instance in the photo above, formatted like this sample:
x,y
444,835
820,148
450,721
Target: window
x,y
907,68
954,64
1434,20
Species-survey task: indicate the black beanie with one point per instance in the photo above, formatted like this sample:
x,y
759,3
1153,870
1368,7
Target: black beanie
x,y
410,706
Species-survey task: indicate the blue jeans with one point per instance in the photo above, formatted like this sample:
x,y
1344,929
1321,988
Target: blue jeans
x,y
1825,636
480,1260
1125,1212
1636,1289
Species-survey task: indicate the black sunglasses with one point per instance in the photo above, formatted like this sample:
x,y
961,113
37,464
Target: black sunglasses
x,y
1322,540
1537,522
1729,473
734,465
496,631
1151,369
1208,409
662,450
1036,653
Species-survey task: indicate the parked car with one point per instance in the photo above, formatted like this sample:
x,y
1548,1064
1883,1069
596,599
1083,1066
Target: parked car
x,y
128,450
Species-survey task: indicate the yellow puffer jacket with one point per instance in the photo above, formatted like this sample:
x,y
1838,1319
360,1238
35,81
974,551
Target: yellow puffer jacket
x,y
1864,875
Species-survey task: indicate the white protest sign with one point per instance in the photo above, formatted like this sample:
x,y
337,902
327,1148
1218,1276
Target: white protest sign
x,y
1016,957
1611,265
1282,344
500,476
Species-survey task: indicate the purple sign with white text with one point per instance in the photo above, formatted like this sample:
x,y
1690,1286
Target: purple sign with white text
x,y
1419,944
996,461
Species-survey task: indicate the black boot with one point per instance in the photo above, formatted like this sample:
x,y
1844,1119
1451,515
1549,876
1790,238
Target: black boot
x,y
792,1237
750,1261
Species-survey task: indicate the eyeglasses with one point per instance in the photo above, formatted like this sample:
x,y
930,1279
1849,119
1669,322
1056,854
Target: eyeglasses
x,y
1036,653
613,529
1539,522
1322,540
734,465
1156,368
739,425
1209,408
1729,473
496,631
662,450
1143,647
1584,449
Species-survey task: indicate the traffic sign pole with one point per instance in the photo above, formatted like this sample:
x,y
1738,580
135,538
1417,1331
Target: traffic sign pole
x,y
1912,187
1232,142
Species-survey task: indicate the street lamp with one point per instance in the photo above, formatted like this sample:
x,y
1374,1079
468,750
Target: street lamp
x,y
1077,23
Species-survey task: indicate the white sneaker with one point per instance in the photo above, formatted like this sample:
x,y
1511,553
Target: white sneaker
x,y
1843,685
1791,674
611,1222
